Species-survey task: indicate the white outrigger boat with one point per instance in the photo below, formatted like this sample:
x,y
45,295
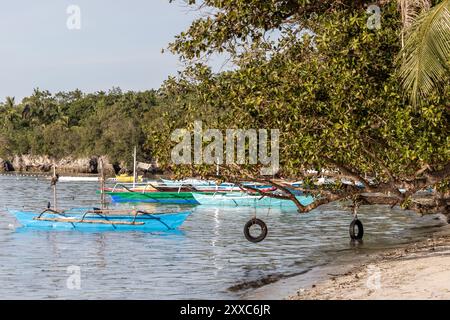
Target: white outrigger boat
x,y
78,179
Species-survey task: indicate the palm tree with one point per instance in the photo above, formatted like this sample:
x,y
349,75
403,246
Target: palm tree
x,y
10,102
425,54
409,10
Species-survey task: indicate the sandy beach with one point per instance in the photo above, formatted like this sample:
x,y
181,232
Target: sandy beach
x,y
417,271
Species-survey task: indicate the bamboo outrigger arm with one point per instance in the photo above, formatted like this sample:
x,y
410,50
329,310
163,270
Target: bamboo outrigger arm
x,y
90,221
103,214
153,217
50,210
123,186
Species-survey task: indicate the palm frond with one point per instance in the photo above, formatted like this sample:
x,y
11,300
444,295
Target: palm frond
x,y
410,9
425,63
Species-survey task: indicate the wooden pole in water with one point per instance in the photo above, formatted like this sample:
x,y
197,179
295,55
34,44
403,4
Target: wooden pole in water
x,y
217,167
102,184
54,181
134,167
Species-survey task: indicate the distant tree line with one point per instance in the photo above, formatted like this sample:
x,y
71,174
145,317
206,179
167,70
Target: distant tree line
x,y
77,124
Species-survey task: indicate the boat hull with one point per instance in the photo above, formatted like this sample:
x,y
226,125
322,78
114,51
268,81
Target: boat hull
x,y
78,179
159,197
249,200
147,223
153,197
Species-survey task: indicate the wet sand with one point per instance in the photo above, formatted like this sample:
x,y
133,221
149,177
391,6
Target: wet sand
x,y
417,271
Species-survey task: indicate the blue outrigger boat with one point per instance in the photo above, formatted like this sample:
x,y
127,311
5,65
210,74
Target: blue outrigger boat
x,y
93,219
96,219
251,200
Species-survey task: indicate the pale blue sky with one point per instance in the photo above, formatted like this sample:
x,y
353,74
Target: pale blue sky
x,y
119,44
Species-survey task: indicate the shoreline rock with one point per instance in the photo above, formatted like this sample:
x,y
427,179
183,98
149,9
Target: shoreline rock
x,y
44,164
85,165
6,166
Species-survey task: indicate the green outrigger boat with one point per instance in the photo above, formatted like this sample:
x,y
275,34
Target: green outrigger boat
x,y
154,197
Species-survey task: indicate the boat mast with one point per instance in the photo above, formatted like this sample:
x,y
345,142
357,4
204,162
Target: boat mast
x,y
54,181
217,167
134,167
102,184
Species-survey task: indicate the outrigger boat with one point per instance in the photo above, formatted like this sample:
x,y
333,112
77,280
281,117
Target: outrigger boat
x,y
130,187
180,188
153,197
101,219
172,192
193,182
171,196
245,199
231,187
78,179
156,186
98,219
127,178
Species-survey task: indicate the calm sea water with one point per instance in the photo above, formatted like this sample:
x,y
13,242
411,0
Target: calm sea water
x,y
202,261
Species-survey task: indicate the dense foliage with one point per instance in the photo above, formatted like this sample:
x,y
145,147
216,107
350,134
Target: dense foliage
x,y
335,95
76,124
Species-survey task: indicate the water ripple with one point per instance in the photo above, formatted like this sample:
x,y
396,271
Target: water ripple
x,y
204,259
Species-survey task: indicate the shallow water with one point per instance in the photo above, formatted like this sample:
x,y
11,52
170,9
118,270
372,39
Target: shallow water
x,y
202,261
